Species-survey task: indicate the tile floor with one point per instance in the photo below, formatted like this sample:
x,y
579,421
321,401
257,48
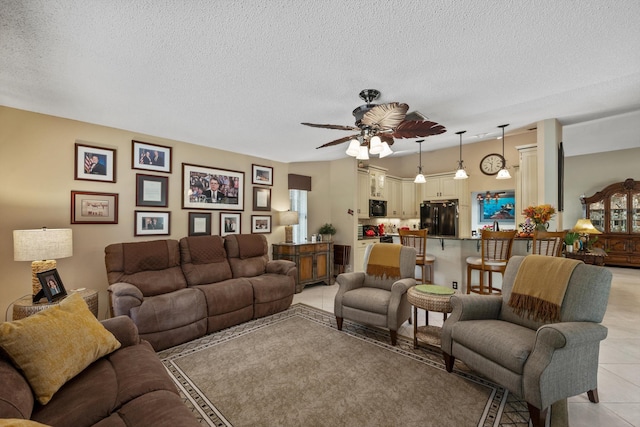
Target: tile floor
x,y
619,371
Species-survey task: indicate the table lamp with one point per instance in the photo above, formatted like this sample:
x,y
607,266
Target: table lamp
x,y
42,247
585,228
288,219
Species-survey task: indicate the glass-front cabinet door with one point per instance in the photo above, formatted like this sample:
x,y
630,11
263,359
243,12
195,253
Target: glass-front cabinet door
x,y
596,214
618,213
635,212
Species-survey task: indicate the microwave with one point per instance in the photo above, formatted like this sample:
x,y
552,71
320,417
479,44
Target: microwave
x,y
377,208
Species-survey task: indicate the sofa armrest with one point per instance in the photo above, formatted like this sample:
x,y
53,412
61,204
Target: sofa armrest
x,y
123,329
281,266
124,297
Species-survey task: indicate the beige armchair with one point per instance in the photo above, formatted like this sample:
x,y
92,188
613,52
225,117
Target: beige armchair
x,y
539,362
377,301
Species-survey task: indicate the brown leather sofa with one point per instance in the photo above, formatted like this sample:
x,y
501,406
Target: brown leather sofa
x,y
127,387
178,291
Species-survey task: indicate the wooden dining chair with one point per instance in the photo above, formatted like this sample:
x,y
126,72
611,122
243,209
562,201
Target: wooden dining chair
x,y
548,243
496,251
417,239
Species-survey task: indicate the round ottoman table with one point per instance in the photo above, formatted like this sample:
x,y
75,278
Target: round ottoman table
x,y
429,298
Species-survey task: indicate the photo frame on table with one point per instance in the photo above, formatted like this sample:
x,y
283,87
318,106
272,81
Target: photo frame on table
x,y
95,163
199,223
52,286
261,199
260,224
151,223
205,187
262,175
152,157
89,207
229,223
152,190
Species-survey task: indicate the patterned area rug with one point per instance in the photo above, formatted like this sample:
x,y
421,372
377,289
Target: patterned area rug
x,y
294,368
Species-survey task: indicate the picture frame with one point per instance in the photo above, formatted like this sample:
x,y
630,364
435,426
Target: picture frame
x,y
51,284
152,190
261,175
229,223
197,192
199,223
261,199
260,224
95,163
152,223
152,157
90,207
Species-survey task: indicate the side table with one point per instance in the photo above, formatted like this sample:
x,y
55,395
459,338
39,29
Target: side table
x,y
24,307
439,302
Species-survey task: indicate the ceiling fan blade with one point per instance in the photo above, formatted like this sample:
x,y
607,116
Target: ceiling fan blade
x,y
417,128
386,138
385,116
338,127
338,141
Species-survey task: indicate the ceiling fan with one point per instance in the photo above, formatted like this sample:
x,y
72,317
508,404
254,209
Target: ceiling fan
x,y
378,125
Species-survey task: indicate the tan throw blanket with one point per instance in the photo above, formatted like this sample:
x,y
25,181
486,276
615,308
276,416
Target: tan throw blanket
x,y
540,285
384,260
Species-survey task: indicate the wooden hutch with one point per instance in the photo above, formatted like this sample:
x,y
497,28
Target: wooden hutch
x,y
615,211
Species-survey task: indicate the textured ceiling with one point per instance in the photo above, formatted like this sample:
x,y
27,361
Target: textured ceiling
x,y
242,75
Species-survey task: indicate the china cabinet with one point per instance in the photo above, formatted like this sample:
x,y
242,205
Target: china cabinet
x,y
615,211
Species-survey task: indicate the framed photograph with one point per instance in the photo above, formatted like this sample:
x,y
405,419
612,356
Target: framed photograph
x,y
229,223
205,187
199,223
261,223
152,190
262,175
51,285
150,157
151,223
95,163
261,199
94,208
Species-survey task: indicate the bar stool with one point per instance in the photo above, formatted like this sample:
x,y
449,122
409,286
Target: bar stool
x,y
548,243
418,239
496,251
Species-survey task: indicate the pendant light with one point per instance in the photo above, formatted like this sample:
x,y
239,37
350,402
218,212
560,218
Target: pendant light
x,y
503,173
420,178
461,173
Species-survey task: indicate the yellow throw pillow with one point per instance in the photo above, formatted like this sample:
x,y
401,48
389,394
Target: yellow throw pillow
x,y
17,422
56,344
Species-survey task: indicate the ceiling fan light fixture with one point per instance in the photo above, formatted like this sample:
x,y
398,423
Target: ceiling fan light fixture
x,y
386,150
363,153
503,173
375,145
354,148
461,173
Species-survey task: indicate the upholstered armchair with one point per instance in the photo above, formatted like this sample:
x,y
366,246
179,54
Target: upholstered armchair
x,y
377,300
541,362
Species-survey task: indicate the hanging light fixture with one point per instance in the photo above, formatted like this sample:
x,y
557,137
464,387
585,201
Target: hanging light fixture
x,y
503,173
461,173
361,146
420,178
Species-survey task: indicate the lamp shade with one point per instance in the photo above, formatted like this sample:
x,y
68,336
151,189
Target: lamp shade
x,y
288,218
354,148
375,145
386,150
420,179
41,244
503,174
363,153
584,226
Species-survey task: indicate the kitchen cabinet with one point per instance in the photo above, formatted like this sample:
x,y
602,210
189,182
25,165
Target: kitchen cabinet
x,y
615,211
410,207
363,194
394,197
377,183
438,187
359,249
314,261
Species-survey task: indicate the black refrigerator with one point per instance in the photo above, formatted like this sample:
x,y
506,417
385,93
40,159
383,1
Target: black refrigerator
x,y
440,218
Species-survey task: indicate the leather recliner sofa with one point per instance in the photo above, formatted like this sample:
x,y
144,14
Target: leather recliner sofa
x,y
176,291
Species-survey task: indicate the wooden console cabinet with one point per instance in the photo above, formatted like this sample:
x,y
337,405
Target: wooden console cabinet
x,y
615,210
314,261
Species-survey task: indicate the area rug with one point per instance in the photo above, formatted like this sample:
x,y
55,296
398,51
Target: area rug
x,y
296,369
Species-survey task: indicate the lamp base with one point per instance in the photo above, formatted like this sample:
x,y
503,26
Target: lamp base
x,y
38,267
288,234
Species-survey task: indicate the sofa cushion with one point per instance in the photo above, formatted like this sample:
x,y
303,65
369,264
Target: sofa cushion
x,y
169,311
16,397
145,256
204,260
251,245
56,344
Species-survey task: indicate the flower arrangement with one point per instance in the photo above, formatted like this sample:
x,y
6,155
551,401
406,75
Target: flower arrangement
x,y
540,215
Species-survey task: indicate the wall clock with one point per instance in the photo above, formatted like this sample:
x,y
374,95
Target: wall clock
x,y
491,164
